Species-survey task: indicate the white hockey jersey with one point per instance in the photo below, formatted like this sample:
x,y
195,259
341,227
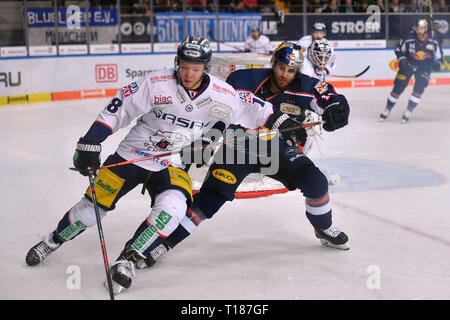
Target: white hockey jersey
x,y
169,119
260,45
308,68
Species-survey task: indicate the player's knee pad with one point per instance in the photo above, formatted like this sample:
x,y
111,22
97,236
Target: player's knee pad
x,y
80,217
168,210
84,211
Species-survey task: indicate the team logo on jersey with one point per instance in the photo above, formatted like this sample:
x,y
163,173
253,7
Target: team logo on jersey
x,y
290,109
130,89
162,100
321,87
430,47
246,97
224,175
173,139
421,55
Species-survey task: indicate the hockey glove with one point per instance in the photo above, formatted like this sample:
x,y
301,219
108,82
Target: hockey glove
x,y
87,156
404,65
436,66
336,113
194,153
282,121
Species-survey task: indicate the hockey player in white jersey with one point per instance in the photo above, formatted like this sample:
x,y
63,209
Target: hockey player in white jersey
x,y
257,42
174,107
318,58
318,32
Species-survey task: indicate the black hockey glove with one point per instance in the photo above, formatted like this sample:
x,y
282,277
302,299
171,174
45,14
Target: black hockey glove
x,y
404,65
336,112
282,121
436,66
195,152
87,156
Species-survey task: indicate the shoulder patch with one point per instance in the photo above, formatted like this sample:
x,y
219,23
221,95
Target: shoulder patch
x,y
246,97
321,87
130,89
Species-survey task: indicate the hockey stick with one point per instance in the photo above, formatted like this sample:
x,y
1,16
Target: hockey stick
x,y
100,234
221,42
333,178
354,76
212,145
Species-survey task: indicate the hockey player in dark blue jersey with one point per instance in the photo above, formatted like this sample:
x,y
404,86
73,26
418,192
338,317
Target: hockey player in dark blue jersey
x,y
417,54
291,93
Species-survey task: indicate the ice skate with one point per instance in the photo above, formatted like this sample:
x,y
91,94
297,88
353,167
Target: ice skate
x,y
383,116
332,237
155,255
406,116
122,274
42,250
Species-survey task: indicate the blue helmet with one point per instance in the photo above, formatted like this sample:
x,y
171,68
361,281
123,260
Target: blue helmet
x,y
194,49
290,54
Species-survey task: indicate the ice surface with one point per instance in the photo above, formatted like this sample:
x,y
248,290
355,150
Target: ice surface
x,y
253,248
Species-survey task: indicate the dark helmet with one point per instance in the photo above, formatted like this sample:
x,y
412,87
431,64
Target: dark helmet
x,y
256,29
290,54
194,49
319,26
319,52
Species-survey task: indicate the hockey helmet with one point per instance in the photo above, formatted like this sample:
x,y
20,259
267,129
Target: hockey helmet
x,y
194,49
422,23
290,54
319,26
319,52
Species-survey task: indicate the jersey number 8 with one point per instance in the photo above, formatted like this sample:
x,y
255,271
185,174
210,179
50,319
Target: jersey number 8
x,y
114,105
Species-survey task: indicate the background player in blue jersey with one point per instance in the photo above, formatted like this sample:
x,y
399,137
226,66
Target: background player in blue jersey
x,y
291,93
417,53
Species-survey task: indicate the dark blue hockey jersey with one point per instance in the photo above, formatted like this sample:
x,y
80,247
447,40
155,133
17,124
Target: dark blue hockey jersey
x,y
302,94
419,54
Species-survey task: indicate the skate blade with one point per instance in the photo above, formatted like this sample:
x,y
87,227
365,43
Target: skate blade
x,y
404,121
117,288
328,244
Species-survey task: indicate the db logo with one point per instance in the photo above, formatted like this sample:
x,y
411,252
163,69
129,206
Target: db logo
x,y
105,73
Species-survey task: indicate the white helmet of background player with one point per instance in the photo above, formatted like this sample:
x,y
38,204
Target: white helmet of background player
x,y
290,54
194,49
319,30
319,53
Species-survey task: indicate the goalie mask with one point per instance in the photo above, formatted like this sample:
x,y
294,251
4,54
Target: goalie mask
x,y
290,54
194,49
319,53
